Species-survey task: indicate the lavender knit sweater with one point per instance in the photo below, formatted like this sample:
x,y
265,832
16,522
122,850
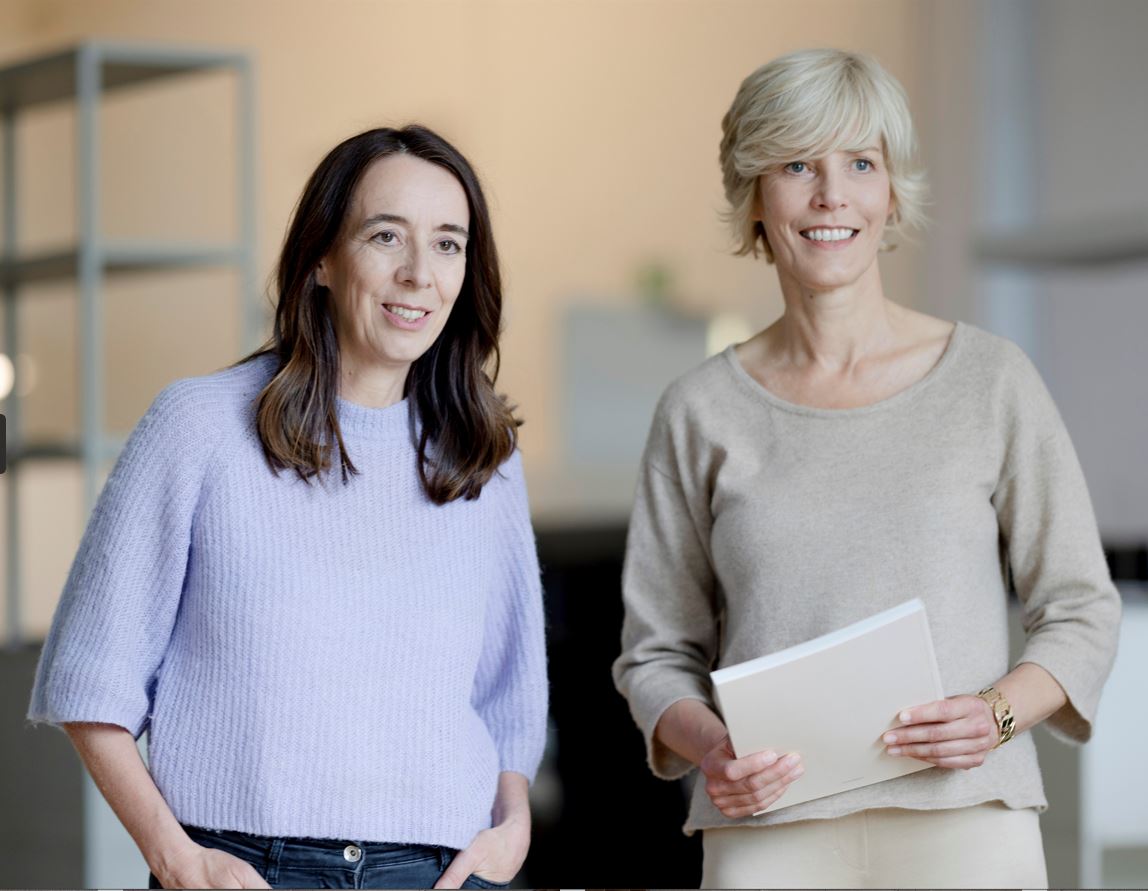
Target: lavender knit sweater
x,y
329,661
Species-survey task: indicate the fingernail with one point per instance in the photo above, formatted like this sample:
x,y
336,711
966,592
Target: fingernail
x,y
894,750
791,759
890,737
770,758
798,772
904,716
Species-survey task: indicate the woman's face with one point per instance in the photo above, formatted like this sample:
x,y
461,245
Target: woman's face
x,y
824,217
398,264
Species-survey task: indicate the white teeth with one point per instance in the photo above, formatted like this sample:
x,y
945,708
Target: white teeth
x,y
828,234
411,315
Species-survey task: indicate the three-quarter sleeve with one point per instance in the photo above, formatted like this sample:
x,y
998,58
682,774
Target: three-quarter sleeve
x,y
510,685
1071,609
669,634
115,615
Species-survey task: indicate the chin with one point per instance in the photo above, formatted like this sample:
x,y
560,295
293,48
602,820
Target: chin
x,y
829,282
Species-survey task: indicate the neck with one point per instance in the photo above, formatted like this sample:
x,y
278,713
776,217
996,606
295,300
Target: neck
x,y
371,385
835,329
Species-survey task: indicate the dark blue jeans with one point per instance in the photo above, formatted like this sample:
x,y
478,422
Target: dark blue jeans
x,y
328,863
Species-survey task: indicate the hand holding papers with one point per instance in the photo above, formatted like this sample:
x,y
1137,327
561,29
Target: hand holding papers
x,y
831,698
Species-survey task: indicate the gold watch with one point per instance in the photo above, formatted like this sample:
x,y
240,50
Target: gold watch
x,y
1002,712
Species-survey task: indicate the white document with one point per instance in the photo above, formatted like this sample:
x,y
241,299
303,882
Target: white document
x,y
831,698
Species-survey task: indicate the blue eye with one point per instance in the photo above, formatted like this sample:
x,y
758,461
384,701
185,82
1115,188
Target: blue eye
x,y
868,164
795,167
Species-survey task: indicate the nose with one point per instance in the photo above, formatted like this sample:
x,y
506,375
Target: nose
x,y
830,191
414,271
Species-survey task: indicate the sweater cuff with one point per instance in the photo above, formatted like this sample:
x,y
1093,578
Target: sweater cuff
x,y
1072,722
527,765
78,713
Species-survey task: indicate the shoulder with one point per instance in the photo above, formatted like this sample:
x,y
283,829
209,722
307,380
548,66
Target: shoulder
x,y
703,387
194,413
696,410
1005,382
509,481
997,355
504,500
235,387
1001,370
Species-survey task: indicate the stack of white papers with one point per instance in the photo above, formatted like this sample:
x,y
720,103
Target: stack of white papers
x,y
830,699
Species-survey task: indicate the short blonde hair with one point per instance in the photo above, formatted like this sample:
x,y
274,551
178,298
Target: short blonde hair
x,y
806,105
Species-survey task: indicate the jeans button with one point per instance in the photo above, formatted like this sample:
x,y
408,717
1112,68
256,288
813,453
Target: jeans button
x,y
352,853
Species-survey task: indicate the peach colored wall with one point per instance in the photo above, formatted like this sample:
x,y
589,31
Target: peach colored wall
x,y
594,125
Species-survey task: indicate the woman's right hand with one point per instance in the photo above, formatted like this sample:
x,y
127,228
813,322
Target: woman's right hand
x,y
740,787
113,759
200,867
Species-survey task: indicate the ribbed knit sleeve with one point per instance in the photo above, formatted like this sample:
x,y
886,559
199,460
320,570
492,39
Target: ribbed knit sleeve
x,y
114,618
1071,608
669,635
510,686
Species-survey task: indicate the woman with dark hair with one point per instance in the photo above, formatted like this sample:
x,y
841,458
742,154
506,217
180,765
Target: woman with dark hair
x,y
342,674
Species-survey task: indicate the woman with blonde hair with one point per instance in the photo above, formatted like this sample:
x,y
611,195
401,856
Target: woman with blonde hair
x,y
851,456
311,577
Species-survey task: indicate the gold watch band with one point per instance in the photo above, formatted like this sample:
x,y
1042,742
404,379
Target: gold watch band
x,y
1002,713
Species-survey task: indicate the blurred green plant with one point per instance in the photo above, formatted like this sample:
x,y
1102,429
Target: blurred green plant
x,y
654,282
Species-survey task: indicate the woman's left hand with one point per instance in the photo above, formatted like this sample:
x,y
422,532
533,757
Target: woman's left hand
x,y
956,732
495,854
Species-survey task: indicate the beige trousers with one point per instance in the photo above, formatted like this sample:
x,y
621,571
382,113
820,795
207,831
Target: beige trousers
x,y
984,846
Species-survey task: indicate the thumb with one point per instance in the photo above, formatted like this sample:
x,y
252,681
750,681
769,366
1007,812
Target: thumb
x,y
252,879
459,869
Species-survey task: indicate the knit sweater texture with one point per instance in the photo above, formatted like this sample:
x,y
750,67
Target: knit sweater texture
x,y
760,524
320,660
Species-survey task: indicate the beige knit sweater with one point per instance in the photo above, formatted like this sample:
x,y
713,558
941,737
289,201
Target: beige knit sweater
x,y
760,524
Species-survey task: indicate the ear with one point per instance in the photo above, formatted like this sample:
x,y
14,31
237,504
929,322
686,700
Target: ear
x,y
321,274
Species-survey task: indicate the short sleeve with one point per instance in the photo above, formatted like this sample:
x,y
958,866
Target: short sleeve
x,y
1071,609
114,619
510,686
669,634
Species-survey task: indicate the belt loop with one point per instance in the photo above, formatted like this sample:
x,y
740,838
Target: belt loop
x,y
273,855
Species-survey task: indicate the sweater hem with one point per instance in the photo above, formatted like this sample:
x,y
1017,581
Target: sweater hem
x,y
777,818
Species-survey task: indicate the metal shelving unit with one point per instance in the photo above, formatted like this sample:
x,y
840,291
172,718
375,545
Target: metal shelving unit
x,y
83,74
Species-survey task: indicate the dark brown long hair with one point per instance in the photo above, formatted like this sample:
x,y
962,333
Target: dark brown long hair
x,y
467,429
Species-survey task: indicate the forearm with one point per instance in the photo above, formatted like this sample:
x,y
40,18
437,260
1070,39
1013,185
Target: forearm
x,y
690,728
1032,693
512,801
109,752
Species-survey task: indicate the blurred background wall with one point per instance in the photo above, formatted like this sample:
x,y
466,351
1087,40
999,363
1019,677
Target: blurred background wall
x,y
594,125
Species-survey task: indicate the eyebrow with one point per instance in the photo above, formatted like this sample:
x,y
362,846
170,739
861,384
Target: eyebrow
x,y
395,218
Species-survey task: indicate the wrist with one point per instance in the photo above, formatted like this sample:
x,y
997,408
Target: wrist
x,y
710,732
515,833
516,817
512,801
164,848
1002,714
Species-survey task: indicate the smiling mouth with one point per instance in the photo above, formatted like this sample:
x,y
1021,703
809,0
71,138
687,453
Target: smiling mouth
x,y
405,312
835,234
